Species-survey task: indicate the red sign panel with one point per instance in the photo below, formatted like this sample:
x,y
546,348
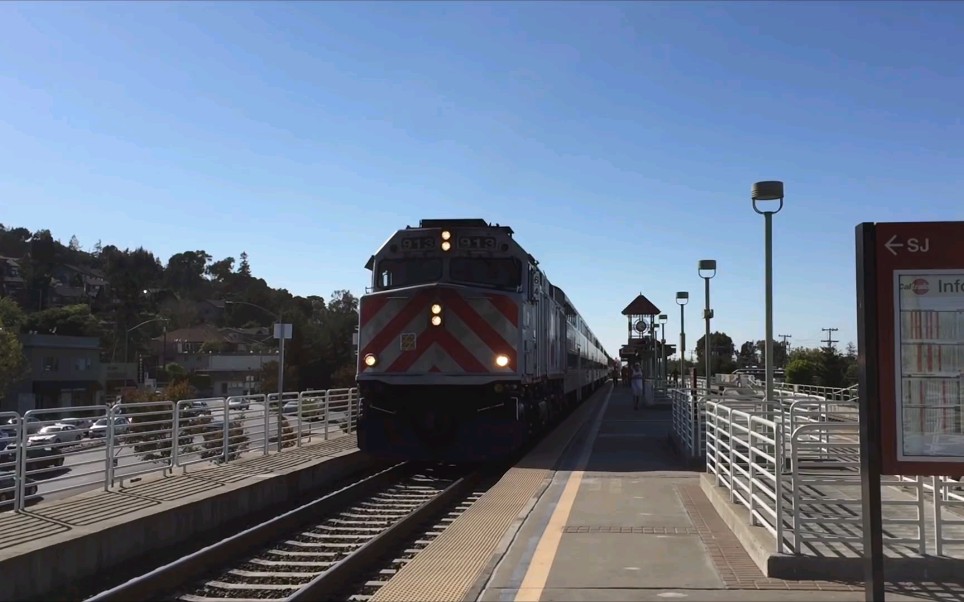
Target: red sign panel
x,y
920,329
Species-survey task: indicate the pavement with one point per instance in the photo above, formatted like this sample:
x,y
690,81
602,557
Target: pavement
x,y
624,519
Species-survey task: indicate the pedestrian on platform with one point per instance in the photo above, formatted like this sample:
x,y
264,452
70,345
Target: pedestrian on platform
x,y
637,381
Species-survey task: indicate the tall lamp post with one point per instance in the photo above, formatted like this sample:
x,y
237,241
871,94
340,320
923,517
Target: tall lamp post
x,y
682,298
662,350
771,190
280,335
707,270
768,191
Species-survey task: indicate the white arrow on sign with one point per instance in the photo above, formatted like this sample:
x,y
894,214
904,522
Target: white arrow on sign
x,y
890,244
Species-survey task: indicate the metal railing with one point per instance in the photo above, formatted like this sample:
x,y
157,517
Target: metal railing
x,y
52,453
794,464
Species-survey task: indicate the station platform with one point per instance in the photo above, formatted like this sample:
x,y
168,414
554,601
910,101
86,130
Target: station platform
x,y
50,549
604,509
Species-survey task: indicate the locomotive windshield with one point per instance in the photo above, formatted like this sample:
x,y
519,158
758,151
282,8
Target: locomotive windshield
x,y
396,273
503,273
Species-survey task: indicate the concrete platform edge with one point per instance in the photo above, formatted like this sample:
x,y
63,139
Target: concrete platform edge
x,y
513,531
48,567
760,545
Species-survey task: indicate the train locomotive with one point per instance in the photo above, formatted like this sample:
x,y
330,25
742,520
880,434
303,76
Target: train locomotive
x,y
465,349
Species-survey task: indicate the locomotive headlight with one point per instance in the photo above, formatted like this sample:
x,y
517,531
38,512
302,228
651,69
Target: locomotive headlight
x,y
370,360
502,360
446,235
436,320
436,309
446,245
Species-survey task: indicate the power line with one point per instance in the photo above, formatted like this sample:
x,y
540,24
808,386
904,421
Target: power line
x,y
829,340
785,337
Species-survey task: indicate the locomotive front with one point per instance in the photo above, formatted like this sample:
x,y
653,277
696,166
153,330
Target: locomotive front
x,y
439,339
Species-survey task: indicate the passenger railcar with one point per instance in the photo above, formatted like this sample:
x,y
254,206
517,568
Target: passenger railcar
x,y
465,349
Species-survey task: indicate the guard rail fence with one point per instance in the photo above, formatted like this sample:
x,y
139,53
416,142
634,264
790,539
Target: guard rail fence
x,y
55,452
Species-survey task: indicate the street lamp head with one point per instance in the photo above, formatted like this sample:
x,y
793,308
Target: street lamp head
x,y
682,298
770,190
707,265
662,318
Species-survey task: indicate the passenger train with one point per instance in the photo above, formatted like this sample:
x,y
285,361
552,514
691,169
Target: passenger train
x,y
465,349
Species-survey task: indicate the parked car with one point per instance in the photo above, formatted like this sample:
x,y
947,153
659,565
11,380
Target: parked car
x,y
99,428
56,433
8,435
38,456
82,424
236,403
195,408
7,491
31,423
312,408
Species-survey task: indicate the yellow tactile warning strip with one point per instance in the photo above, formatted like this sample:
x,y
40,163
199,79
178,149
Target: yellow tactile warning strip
x,y
59,516
449,567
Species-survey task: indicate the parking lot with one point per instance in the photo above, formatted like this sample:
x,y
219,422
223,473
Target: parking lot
x,y
140,441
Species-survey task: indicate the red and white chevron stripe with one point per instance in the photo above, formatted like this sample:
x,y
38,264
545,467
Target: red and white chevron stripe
x,y
476,327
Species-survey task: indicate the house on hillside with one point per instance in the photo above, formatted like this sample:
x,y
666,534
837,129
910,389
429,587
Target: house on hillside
x,y
72,284
210,310
12,283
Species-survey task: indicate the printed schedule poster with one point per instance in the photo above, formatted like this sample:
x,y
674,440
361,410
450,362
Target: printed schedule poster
x,y
930,358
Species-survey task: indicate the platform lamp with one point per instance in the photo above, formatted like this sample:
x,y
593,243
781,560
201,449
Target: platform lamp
x,y
662,350
682,298
768,191
771,190
707,270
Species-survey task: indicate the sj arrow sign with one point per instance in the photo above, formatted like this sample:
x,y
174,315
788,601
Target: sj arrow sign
x,y
914,245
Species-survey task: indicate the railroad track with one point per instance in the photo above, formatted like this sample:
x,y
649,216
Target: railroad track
x,y
318,551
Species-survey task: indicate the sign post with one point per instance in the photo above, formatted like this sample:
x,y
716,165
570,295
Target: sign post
x,y
282,332
910,328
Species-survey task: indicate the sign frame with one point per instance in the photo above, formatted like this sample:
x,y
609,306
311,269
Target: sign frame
x,y
283,331
885,252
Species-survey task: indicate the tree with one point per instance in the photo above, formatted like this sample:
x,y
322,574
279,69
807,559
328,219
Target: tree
x,y
802,371
44,252
822,367
72,320
12,364
244,269
139,288
779,353
11,314
185,273
722,350
748,355
222,270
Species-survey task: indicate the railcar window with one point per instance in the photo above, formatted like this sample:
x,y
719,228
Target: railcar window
x,y
504,273
396,273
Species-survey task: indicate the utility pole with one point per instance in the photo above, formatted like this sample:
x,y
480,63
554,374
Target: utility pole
x,y
786,348
829,340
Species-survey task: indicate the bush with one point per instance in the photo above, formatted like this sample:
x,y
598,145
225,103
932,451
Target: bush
x,y
213,440
151,426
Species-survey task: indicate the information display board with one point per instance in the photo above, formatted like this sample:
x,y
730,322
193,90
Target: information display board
x,y
918,310
929,326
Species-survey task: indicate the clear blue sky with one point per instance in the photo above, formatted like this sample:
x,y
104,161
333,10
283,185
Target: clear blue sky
x,y
618,140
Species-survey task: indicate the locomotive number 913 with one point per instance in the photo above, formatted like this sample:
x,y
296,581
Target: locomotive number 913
x,y
467,353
